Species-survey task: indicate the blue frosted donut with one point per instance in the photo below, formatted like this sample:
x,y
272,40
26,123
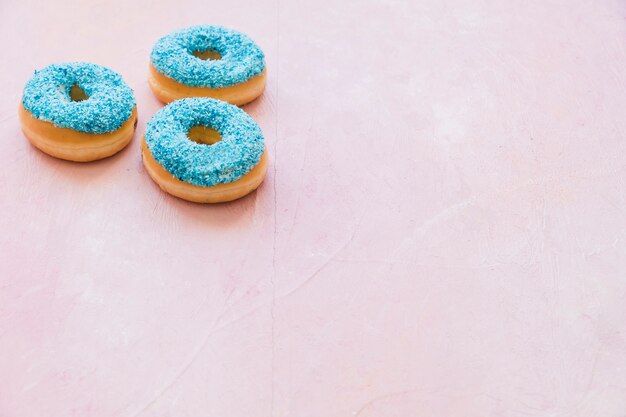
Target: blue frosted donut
x,y
110,100
238,152
241,59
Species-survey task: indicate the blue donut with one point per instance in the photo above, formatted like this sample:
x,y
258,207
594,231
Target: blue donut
x,y
109,104
239,150
241,59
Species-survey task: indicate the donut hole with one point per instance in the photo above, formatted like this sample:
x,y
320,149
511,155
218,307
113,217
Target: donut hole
x,y
77,93
207,55
204,135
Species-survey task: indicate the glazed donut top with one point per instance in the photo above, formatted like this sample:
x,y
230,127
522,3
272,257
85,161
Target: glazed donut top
x,y
241,59
239,150
109,104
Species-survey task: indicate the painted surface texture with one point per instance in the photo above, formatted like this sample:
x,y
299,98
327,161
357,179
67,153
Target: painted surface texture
x,y
442,231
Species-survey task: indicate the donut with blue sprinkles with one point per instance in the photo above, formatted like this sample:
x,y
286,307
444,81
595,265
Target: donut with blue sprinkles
x,y
204,150
207,61
78,111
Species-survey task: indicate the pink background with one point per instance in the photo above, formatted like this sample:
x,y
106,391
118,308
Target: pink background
x,y
442,231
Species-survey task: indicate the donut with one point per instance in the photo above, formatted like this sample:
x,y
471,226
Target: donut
x,y
207,61
78,111
204,150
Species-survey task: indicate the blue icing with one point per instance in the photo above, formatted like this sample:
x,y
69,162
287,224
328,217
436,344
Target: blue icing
x,y
110,103
226,161
241,58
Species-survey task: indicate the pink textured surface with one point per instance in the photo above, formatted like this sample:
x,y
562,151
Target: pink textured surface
x,y
442,231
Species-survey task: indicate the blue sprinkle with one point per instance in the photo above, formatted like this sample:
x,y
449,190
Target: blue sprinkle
x,y
226,161
241,58
110,103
